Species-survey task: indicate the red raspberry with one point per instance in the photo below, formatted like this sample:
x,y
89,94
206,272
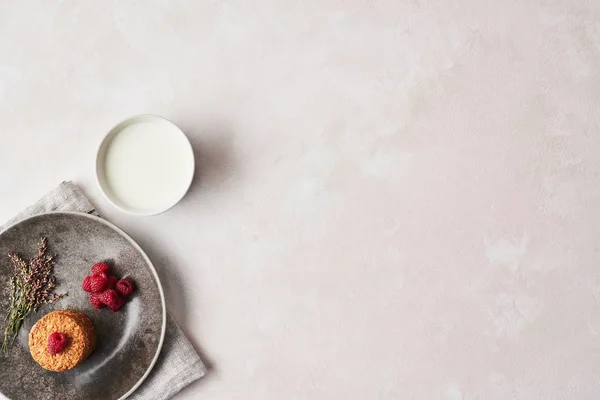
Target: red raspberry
x,y
95,301
112,281
99,268
56,342
124,287
94,283
98,283
86,284
116,306
109,297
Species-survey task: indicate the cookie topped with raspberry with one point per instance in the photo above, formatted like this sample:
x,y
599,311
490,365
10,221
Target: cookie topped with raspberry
x,y
62,339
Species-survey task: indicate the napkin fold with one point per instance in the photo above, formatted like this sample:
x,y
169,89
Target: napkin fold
x,y
178,364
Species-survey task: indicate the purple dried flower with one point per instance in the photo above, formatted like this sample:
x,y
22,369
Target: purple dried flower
x,y
32,285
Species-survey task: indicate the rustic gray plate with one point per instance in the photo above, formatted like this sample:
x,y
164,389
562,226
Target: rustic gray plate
x,y
129,341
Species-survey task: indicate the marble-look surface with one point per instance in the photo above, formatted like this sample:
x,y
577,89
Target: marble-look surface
x,y
395,199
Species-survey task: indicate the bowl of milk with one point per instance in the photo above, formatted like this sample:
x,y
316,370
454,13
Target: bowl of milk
x,y
145,165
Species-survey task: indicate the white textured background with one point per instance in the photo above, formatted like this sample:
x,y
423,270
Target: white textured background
x,y
396,199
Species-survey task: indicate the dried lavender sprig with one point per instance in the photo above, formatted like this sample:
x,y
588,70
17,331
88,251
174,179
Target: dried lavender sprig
x,y
32,285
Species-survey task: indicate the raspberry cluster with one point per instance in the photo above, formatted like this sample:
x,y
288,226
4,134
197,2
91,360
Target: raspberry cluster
x,y
106,290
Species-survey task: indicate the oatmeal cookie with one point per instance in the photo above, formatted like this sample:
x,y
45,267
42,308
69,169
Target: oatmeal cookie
x,y
81,339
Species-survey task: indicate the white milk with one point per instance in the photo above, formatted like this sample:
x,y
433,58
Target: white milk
x,y
148,166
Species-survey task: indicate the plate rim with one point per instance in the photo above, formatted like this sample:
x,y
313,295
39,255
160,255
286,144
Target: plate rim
x,y
152,269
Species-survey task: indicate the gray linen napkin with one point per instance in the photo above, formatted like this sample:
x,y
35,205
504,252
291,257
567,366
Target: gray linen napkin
x,y
178,364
